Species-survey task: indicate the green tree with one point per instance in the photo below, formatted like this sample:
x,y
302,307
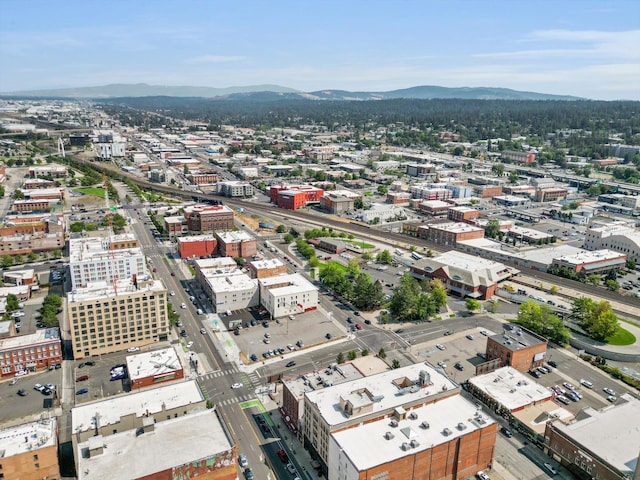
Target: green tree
x,y
314,262
18,195
472,305
340,358
597,318
381,353
382,189
630,264
513,178
541,320
7,261
593,279
32,257
281,229
498,169
12,303
352,355
395,364
612,285
364,352
358,204
288,238
492,229
384,257
553,290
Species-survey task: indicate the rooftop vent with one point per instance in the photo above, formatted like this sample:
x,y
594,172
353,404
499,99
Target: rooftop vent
x,y
393,422
413,416
405,446
389,435
461,426
424,425
446,432
414,443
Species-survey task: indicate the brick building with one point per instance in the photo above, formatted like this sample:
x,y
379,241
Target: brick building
x,y
55,171
463,274
31,352
206,218
266,268
487,191
197,246
154,367
25,244
462,214
518,348
600,444
236,244
28,206
398,197
452,233
292,197
413,421
550,194
329,244
434,207
175,225
338,201
203,178
596,261
30,450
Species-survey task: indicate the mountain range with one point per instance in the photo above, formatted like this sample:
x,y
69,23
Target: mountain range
x,y
274,92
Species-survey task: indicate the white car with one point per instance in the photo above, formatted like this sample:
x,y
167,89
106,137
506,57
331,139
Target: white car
x,y
172,293
442,365
586,383
190,344
133,349
482,476
608,391
611,398
38,387
439,346
237,385
550,468
183,305
569,386
484,332
17,314
20,373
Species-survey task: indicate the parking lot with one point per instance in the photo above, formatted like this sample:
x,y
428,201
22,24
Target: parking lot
x,y
310,327
16,406
98,383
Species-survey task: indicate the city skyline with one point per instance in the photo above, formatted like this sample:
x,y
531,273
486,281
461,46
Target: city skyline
x,y
586,49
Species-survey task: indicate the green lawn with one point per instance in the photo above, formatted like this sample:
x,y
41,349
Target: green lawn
x,y
622,337
97,191
337,265
362,245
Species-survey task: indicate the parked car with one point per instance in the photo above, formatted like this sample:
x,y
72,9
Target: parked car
x,y
482,476
82,378
282,455
469,336
291,468
586,383
203,331
439,346
506,432
22,392
459,366
82,391
608,391
553,363
133,349
484,332
368,322
550,468
242,460
290,364
248,474
328,336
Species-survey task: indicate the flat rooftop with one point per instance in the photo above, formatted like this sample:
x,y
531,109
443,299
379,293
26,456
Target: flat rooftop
x,y
235,237
529,232
511,388
283,284
30,339
612,433
231,281
464,261
322,378
382,388
103,289
89,248
151,364
590,257
170,444
516,338
267,263
139,404
215,263
456,227
28,437
198,238
456,414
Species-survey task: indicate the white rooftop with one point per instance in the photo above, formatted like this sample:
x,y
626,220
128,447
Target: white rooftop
x,y
286,284
529,232
231,281
139,404
30,339
104,289
235,237
150,364
215,263
387,395
435,204
455,413
612,433
197,238
267,263
170,444
28,437
456,227
89,248
591,256
511,388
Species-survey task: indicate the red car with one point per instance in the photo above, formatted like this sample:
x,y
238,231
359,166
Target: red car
x,y
282,455
358,326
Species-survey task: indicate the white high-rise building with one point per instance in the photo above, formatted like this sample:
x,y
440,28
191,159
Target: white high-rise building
x,y
105,259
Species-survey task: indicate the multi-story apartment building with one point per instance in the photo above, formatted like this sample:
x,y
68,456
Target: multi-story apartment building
x,y
287,295
451,233
430,192
206,218
96,259
203,178
31,206
292,197
550,194
463,214
412,419
25,244
30,450
236,189
236,244
106,317
269,267
231,290
31,352
197,246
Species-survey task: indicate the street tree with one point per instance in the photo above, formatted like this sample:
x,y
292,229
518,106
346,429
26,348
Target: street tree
x,y
384,257
472,305
281,229
541,320
492,229
597,318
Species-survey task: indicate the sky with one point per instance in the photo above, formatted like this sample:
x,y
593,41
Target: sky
x,y
584,48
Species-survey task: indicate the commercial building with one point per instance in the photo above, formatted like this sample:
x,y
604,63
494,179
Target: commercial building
x,y
463,274
176,225
197,246
26,276
236,189
430,192
412,420
44,171
33,206
203,178
487,191
329,244
338,202
149,435
550,194
30,352
602,444
462,214
292,197
398,198
596,261
24,244
518,157
44,194
236,244
287,295
105,259
451,233
30,450
206,218
109,317
231,290
434,207
517,347
269,267
155,367
619,237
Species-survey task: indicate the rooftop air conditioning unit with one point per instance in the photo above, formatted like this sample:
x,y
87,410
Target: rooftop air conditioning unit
x,y
413,416
393,422
461,426
424,425
414,443
389,435
446,432
405,446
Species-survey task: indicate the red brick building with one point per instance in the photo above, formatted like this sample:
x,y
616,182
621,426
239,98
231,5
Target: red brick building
x,y
197,246
31,352
292,197
463,214
203,178
452,233
487,191
32,206
266,268
206,218
236,244
518,348
152,368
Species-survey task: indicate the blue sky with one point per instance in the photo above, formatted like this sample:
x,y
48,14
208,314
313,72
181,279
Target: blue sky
x,y
575,47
